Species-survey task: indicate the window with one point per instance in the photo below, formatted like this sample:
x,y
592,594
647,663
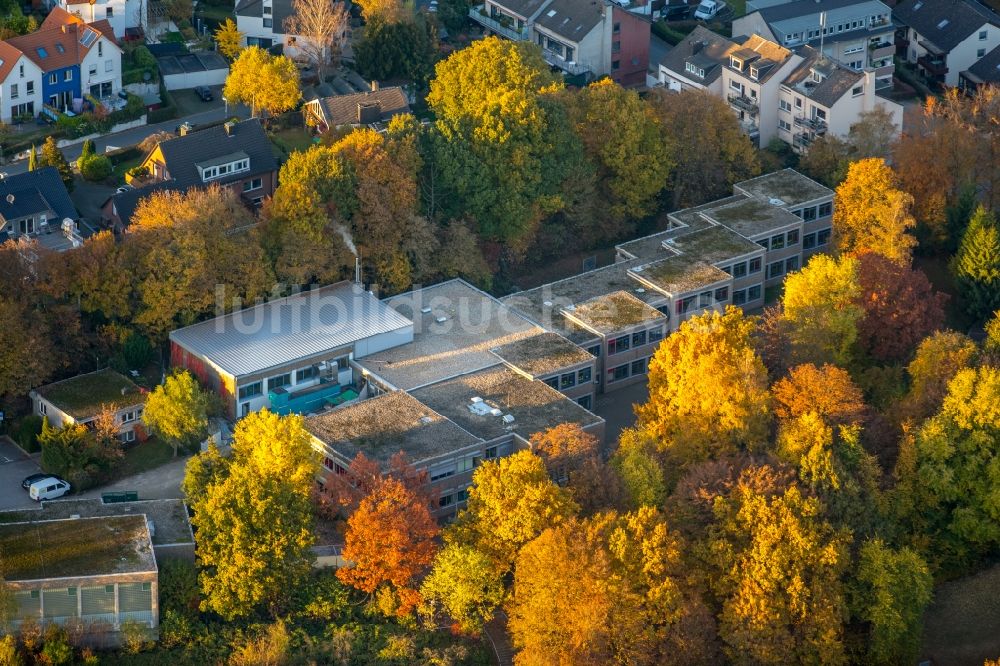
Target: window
x,y
305,374
279,381
736,85
464,465
442,472
462,495
53,79
692,68
109,12
584,376
21,70
777,241
328,462
776,269
740,269
784,125
446,500
616,47
809,241
594,350
656,334
618,374
567,381
343,363
704,299
617,27
809,214
29,88
798,102
127,436
739,297
753,293
686,304
826,209
491,452
109,65
857,91
251,390
68,75
13,91
268,23
980,53
854,49
792,237
727,269
639,367
618,345
763,242
721,294
755,265
982,35
251,185
42,408
615,64
638,338
823,237
128,417
791,264
553,382
267,11
93,70
584,402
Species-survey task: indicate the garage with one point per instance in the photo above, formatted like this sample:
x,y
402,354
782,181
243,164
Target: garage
x,y
189,70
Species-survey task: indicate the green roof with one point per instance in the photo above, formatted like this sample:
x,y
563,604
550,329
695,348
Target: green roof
x,y
715,244
83,396
752,217
613,312
542,354
680,274
789,185
75,548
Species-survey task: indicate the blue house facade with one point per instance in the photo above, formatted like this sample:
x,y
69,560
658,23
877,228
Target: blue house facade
x,y
60,86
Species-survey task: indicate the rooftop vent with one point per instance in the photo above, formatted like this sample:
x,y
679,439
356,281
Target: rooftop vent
x,y
425,420
442,319
942,24
547,304
774,201
425,310
10,199
640,290
495,412
508,418
476,399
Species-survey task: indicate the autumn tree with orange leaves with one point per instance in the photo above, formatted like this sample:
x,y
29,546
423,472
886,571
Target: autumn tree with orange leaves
x,y
872,213
390,543
826,390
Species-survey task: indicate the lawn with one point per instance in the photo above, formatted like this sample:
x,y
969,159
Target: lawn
x,y
292,139
146,456
962,626
739,7
123,167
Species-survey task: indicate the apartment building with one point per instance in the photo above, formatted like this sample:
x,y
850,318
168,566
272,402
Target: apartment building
x,y
794,96
584,39
856,33
944,38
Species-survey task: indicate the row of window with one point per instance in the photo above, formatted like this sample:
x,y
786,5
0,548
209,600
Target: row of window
x,y
810,213
251,185
748,295
780,241
744,268
859,24
208,173
29,89
109,66
816,239
453,498
637,339
633,369
703,300
568,380
278,381
779,268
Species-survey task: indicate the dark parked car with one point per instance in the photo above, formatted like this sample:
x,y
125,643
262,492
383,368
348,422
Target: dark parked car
x,y
28,480
205,93
677,12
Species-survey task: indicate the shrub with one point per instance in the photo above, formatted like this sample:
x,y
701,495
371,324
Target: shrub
x,y
57,650
134,638
27,432
138,172
142,57
95,167
179,588
8,652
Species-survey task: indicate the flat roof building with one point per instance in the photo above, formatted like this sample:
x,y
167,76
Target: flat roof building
x,y
80,399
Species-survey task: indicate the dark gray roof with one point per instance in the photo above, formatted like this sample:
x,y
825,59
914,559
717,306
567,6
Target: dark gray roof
x,y
184,152
837,79
926,17
280,10
524,8
126,202
987,68
572,19
343,109
703,48
35,192
799,8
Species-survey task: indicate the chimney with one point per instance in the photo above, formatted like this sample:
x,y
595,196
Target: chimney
x,y
374,86
65,29
184,129
230,128
369,112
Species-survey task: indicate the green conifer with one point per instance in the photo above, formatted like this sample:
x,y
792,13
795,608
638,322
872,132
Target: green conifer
x,y
977,265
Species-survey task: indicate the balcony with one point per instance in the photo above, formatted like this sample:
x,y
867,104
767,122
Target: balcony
x,y
571,68
817,125
744,103
802,140
505,27
881,50
933,65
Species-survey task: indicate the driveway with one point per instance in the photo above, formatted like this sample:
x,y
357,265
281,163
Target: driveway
x,y
163,482
14,466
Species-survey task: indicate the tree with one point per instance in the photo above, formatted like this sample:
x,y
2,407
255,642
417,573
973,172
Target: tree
x,y
872,214
32,158
229,39
938,359
177,410
713,152
263,81
829,157
977,265
320,29
389,11
201,471
894,586
180,10
464,585
26,361
393,49
573,459
53,157
777,566
254,523
88,149
511,501
707,389
828,391
95,167
820,310
633,160
8,607
389,542
637,465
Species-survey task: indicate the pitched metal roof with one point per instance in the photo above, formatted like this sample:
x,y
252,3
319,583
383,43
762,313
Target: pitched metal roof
x,y
800,8
183,153
35,192
343,109
944,23
571,19
280,331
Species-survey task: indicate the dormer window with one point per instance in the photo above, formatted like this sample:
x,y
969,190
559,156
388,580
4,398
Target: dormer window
x,y
691,68
223,167
817,77
736,63
754,73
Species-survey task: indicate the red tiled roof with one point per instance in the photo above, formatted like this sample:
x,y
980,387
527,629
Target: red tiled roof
x,y
8,56
59,36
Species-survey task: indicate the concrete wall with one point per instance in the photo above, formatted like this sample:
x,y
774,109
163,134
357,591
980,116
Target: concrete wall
x,y
212,77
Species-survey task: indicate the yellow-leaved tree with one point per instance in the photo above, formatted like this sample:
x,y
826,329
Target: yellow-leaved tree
x,y
255,518
872,214
263,81
229,39
707,389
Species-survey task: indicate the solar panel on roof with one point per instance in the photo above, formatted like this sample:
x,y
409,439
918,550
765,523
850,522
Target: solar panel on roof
x,y
88,37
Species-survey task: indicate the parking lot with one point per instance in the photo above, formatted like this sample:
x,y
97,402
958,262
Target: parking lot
x,y
14,466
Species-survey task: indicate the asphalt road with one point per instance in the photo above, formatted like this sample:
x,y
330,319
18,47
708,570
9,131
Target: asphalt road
x,y
14,466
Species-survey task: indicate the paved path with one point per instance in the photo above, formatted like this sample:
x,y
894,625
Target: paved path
x,y
163,482
496,634
14,466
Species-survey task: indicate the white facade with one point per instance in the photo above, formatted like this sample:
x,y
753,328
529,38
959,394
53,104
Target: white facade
x,y
744,85
121,14
21,91
961,57
101,69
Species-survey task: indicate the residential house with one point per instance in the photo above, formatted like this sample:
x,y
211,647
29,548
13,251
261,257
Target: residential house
x,y
121,14
74,58
986,71
81,399
944,38
855,33
794,96
236,155
585,39
35,205
20,85
372,108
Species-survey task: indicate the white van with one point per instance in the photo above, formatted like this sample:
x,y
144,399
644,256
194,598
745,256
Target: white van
x,y
708,9
48,488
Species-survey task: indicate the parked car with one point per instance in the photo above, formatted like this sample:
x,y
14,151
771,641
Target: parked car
x,y
676,12
51,487
123,189
709,9
28,480
205,93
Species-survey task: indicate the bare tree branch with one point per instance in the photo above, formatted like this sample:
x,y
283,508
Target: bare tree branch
x,y
320,31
